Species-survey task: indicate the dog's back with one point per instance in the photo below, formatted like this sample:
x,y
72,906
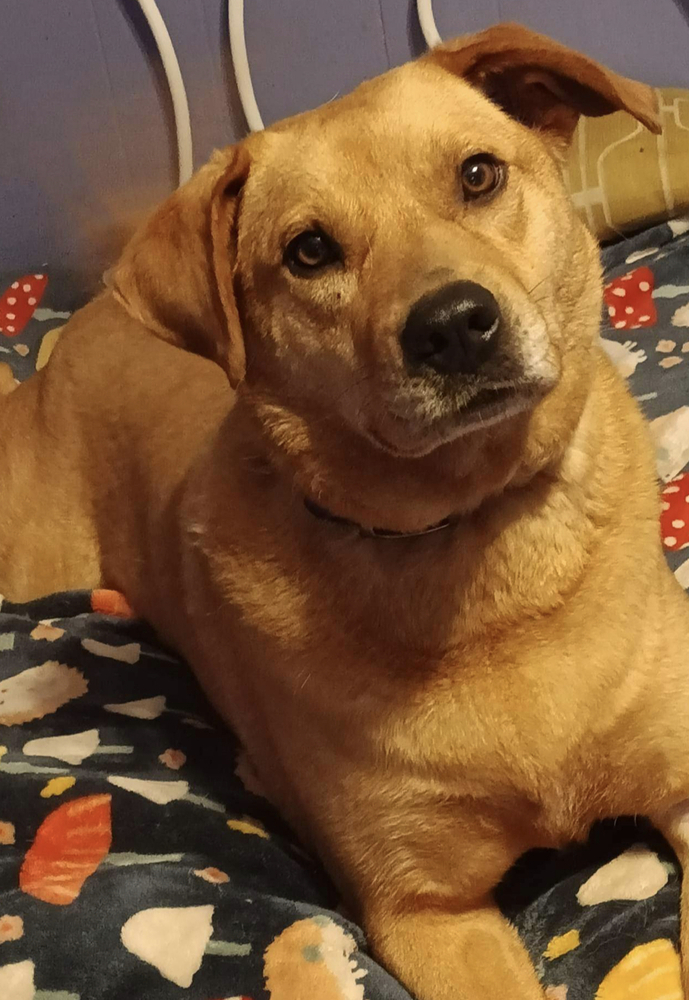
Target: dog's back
x,y
105,431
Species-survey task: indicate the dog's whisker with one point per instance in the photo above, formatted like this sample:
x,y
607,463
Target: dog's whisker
x,y
538,284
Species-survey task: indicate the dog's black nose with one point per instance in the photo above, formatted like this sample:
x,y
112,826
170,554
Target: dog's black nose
x,y
453,330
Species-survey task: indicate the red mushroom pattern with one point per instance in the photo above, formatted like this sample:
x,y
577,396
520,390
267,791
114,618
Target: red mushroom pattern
x,y
674,516
18,303
630,300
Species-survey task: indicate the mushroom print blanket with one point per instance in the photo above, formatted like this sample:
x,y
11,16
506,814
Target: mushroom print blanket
x,y
137,856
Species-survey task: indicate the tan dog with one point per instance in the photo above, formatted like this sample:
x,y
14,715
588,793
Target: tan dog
x,y
400,291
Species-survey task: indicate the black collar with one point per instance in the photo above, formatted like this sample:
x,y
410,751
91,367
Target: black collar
x,y
324,515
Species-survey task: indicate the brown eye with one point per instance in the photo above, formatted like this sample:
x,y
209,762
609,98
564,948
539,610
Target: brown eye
x,y
310,251
481,175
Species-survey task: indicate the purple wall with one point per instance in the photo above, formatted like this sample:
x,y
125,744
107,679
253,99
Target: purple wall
x,y
86,142
87,145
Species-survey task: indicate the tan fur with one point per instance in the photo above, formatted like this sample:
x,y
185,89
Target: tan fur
x,y
422,710
7,383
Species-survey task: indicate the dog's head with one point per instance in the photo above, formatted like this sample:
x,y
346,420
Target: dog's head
x,y
398,280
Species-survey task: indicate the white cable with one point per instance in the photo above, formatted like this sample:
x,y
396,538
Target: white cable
x,y
173,74
240,61
424,9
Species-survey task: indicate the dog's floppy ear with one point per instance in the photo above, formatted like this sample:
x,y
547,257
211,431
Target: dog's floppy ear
x,y
176,274
541,83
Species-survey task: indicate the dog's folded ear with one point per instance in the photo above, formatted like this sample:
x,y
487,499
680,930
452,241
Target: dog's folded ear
x,y
176,275
542,83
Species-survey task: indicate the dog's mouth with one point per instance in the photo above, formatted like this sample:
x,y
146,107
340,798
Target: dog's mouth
x,y
409,435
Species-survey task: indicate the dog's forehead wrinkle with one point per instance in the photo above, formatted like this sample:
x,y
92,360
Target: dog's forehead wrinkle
x,y
385,125
290,199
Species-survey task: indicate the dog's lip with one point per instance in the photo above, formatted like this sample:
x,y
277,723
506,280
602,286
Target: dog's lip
x,y
489,406
487,399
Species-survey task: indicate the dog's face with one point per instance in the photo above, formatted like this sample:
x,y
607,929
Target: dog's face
x,y
410,299
405,264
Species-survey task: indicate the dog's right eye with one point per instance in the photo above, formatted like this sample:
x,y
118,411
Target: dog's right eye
x,y
311,251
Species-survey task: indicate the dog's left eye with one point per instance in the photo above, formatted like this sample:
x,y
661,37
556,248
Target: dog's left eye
x,y
481,175
310,251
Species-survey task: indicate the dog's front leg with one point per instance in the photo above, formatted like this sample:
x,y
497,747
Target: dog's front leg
x,y
444,954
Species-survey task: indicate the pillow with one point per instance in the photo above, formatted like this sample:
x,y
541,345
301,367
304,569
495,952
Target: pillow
x,y
621,177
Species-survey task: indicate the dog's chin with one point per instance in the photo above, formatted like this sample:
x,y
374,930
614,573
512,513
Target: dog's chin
x,y
410,437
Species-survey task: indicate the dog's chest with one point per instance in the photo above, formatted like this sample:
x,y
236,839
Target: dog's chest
x,y
505,734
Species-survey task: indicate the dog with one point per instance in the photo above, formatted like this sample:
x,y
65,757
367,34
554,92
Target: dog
x,y
342,430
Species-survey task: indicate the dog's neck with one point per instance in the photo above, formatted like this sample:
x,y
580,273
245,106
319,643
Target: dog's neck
x,y
348,481
449,587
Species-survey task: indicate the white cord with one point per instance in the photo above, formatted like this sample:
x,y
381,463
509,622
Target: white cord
x,y
180,105
240,61
424,9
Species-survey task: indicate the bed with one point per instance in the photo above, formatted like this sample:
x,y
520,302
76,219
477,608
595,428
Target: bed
x,y
137,855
